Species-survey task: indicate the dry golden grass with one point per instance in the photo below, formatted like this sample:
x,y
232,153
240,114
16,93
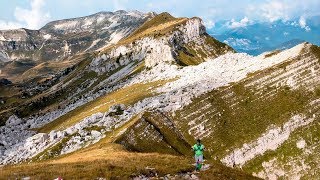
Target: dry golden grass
x,y
45,68
14,93
161,28
138,69
127,95
103,159
159,25
104,162
217,171
111,161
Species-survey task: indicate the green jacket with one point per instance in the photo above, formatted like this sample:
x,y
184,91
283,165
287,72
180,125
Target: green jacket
x,y
198,149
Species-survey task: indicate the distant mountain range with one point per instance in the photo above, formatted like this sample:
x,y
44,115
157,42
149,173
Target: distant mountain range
x,y
35,52
259,37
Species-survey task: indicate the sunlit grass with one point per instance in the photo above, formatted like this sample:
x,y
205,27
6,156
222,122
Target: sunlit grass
x,y
127,95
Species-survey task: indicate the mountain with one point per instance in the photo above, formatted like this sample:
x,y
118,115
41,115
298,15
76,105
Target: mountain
x,y
133,109
55,44
259,37
41,118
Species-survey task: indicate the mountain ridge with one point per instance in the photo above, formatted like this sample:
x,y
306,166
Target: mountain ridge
x,y
52,43
160,88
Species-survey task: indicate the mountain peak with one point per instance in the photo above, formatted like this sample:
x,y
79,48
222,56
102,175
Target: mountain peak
x,y
165,15
120,12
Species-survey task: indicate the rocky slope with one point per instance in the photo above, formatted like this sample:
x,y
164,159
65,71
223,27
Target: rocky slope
x,y
163,86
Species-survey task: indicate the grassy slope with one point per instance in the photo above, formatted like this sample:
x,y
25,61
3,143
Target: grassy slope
x,y
116,164
289,151
152,23
44,101
107,162
112,161
239,113
156,27
245,122
127,95
162,136
193,54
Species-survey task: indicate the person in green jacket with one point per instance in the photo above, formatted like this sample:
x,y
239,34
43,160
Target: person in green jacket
x,y
198,149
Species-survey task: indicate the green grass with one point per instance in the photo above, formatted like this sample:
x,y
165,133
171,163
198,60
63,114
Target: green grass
x,y
79,68
288,151
53,151
93,128
248,120
190,54
316,51
187,59
218,171
272,53
165,138
217,45
140,67
317,91
157,20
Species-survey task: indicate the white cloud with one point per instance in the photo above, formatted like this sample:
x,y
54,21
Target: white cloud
x,y
233,24
303,23
275,10
237,42
9,25
209,24
150,5
294,23
32,18
307,28
120,4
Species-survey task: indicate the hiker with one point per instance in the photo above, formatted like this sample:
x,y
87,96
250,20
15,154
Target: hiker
x,y
198,149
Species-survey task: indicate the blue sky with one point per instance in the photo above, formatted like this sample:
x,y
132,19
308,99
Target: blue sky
x,y
33,14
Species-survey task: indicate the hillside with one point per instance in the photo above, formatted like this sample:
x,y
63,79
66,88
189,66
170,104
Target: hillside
x,y
135,108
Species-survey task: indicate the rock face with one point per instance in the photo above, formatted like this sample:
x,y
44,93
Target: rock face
x,y
185,36
4,82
